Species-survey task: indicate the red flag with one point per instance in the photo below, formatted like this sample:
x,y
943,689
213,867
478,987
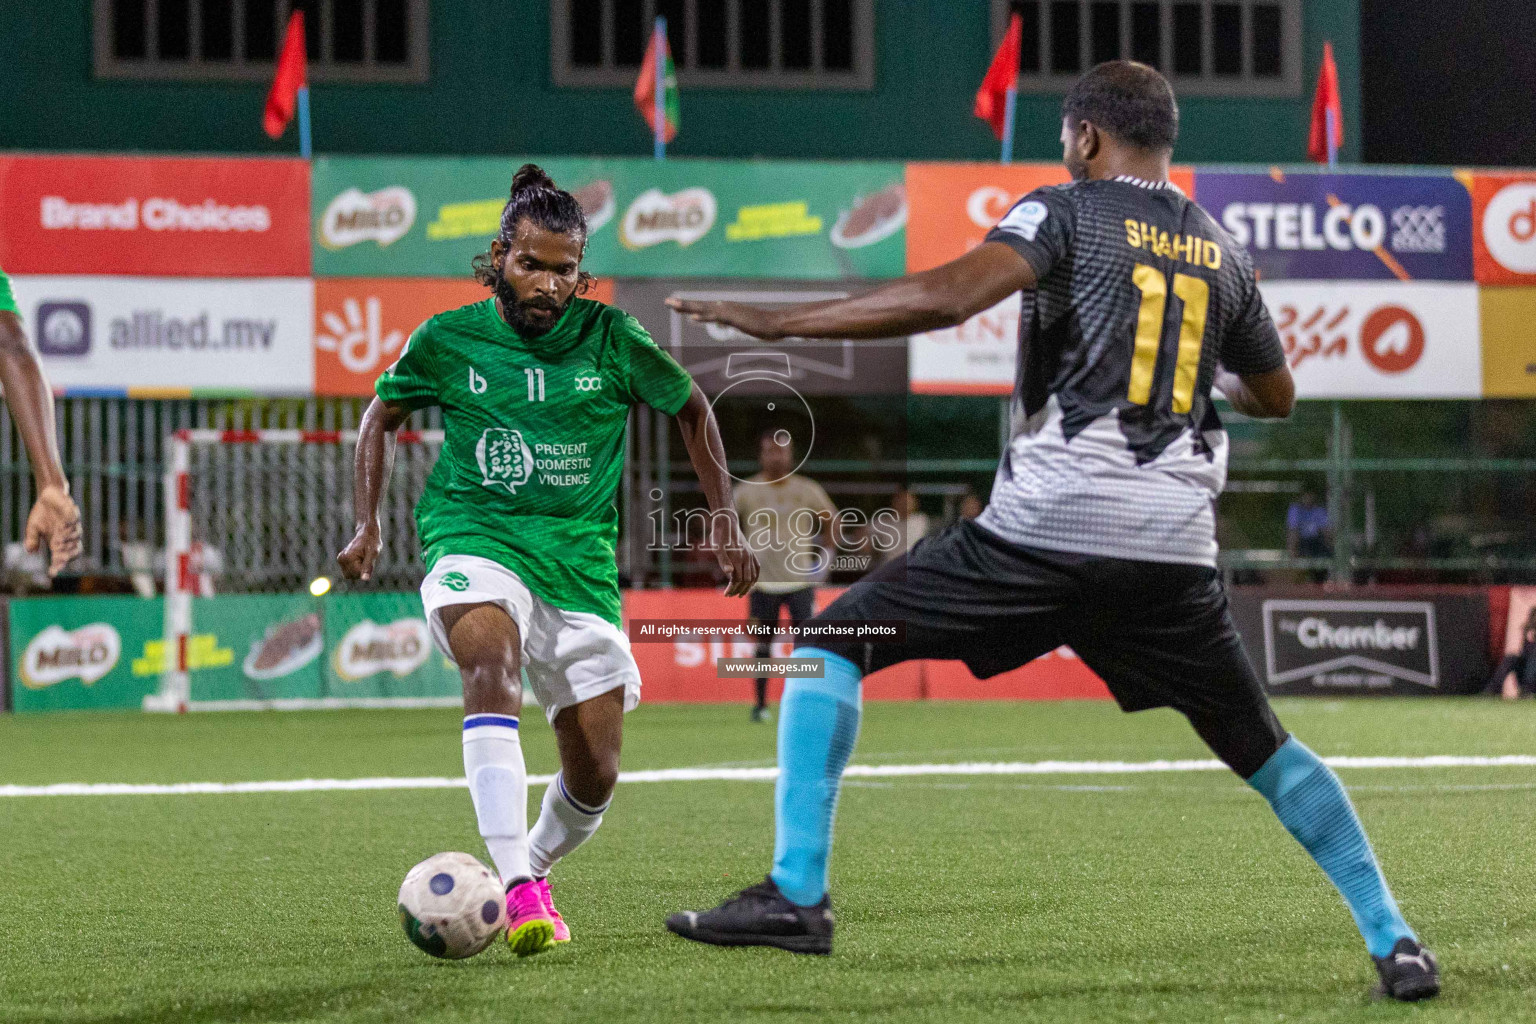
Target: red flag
x,y
292,75
645,88
1324,100
992,97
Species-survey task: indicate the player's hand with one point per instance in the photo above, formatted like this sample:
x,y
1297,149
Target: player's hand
x,y
357,558
737,562
752,320
55,521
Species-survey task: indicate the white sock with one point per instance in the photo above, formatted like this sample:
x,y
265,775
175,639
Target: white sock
x,y
498,783
563,825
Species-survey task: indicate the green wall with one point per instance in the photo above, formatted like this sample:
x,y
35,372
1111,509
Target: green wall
x,y
490,92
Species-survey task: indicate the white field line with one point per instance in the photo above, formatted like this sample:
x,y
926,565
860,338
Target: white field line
x,y
747,775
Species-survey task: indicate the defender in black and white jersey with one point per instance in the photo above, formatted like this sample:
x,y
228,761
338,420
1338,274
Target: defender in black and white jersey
x,y
1100,532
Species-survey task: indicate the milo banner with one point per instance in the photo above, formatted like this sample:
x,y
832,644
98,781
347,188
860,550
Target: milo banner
x,y
377,646
84,652
246,651
429,216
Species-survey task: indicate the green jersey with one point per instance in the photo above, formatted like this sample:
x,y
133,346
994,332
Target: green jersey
x,y
7,299
535,440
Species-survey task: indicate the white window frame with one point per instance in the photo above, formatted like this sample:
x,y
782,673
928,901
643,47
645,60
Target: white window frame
x,y
414,71
565,74
1286,84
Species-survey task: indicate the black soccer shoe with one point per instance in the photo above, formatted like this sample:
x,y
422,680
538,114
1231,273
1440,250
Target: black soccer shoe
x,y
760,916
1408,973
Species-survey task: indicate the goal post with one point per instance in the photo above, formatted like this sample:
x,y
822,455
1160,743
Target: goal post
x,y
266,511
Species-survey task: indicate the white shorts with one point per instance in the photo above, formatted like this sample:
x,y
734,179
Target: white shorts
x,y
570,657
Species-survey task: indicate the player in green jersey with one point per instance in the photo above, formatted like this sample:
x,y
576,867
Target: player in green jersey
x,y
54,520
519,529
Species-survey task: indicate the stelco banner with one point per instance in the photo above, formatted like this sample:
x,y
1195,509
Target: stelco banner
x,y
246,650
428,217
1355,339
163,336
1424,644
172,216
1345,226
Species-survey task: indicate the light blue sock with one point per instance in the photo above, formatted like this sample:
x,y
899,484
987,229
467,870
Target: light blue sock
x,y
818,724
1312,805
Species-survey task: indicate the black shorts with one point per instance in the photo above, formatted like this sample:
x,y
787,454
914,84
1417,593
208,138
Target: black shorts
x,y
1158,633
764,607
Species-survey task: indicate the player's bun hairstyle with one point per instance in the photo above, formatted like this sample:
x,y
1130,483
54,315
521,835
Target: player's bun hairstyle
x,y
535,197
1130,101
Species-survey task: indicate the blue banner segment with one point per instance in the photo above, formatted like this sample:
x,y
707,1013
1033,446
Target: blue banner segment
x,y
1345,226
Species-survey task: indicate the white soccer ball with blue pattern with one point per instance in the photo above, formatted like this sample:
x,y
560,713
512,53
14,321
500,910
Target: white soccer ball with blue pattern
x,y
452,906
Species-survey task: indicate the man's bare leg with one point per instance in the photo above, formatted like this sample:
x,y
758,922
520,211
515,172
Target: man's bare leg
x,y
589,735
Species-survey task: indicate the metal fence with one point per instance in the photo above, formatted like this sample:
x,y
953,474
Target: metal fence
x,y
114,452
288,518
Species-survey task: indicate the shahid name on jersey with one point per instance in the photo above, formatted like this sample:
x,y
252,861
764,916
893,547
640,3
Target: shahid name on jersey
x,y
1116,450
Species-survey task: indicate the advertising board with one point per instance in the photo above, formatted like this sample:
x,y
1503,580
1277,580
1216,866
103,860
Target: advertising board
x,y
428,217
1504,221
1345,226
154,216
1361,339
165,337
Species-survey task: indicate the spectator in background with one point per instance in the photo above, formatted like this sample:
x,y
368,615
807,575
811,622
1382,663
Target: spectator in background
x,y
781,514
1522,665
139,560
913,522
26,571
971,504
1309,531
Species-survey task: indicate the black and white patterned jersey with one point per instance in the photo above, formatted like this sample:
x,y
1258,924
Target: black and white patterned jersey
x,y
1116,449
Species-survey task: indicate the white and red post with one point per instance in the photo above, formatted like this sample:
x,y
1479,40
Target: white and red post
x,y
184,577
180,579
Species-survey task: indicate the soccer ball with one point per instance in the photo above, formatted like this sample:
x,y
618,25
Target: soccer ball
x,y
452,906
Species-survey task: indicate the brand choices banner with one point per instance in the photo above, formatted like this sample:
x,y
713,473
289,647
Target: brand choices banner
x,y
160,216
1345,226
428,217
146,336
251,649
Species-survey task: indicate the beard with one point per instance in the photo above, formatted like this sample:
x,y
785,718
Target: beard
x,y
517,312
1077,167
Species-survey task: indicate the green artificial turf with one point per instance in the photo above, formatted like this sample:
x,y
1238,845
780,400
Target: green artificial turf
x,y
1061,898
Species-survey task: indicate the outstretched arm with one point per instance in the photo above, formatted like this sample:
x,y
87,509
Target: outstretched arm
x,y
701,435
937,298
54,520
1264,396
371,468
